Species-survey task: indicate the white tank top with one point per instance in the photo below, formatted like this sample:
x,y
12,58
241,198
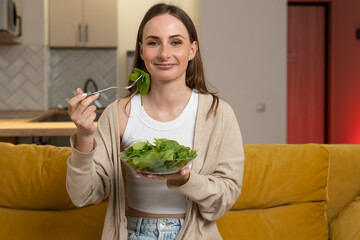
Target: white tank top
x,y
152,195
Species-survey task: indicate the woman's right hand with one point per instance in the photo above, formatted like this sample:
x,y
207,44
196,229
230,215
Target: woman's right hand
x,y
83,115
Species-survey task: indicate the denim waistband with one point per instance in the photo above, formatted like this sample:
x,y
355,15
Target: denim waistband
x,y
151,224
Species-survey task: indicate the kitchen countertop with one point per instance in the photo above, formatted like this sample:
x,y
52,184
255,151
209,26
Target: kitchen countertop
x,y
36,123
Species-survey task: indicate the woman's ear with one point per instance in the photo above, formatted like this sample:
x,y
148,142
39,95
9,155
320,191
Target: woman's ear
x,y
193,50
141,51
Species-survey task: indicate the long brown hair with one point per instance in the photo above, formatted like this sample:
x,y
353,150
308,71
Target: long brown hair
x,y
195,78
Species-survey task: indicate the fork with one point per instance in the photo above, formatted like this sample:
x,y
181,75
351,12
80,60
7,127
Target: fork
x,y
127,87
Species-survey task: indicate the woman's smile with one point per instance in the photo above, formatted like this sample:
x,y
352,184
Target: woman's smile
x,y
165,66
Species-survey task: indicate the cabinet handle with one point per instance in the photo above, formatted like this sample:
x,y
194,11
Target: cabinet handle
x,y
79,32
86,33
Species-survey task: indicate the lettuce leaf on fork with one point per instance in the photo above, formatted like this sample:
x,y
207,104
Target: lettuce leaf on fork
x,y
143,84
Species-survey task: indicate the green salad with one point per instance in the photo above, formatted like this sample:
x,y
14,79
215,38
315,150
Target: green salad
x,y
163,157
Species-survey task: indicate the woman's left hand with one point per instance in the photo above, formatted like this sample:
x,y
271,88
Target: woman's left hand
x,y
177,179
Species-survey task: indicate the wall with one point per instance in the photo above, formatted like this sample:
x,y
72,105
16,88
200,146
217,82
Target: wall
x,y
23,67
344,112
243,48
71,68
130,14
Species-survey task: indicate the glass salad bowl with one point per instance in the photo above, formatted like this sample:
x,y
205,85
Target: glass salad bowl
x,y
156,166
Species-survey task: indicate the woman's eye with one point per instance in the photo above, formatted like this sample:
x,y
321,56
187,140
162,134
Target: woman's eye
x,y
176,43
152,43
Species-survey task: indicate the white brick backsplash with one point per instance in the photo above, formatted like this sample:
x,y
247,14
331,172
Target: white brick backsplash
x,y
26,71
22,77
70,68
3,62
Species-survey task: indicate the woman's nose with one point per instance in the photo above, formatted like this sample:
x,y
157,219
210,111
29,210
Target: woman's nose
x,y
164,52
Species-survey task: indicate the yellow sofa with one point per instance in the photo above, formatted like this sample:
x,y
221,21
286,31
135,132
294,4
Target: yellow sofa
x,y
307,191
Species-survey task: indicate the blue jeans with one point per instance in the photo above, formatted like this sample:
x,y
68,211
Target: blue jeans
x,y
152,228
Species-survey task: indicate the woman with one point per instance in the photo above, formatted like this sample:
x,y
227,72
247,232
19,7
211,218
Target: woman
x,y
178,106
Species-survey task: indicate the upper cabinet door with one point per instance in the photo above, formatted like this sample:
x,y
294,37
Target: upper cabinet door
x,y
65,23
100,23
83,23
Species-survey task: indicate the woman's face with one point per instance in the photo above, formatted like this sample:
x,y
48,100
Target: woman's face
x,y
166,48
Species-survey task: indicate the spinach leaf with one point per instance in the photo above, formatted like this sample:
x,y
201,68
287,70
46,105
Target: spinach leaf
x,y
143,84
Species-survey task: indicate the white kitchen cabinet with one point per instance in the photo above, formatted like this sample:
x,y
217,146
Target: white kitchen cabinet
x,y
83,23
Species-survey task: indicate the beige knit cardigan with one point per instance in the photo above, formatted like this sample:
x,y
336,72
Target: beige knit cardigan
x,y
213,187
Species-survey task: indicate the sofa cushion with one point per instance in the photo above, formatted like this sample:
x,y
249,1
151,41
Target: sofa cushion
x,y
33,177
284,194
73,224
299,221
346,226
277,175
344,176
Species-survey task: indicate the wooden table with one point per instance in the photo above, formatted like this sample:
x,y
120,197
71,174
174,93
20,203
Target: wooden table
x,y
31,123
